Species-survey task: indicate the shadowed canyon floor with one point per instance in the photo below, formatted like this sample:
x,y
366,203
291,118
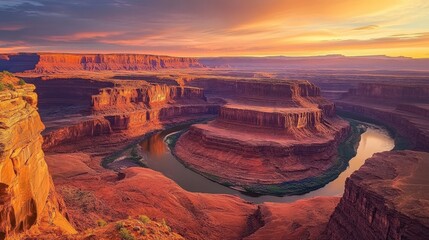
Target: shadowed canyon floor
x,y
98,122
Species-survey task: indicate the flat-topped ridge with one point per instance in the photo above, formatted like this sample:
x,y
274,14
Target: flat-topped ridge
x,y
63,62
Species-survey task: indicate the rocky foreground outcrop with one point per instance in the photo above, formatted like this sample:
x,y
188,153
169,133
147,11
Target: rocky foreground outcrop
x,y
405,108
63,62
91,195
267,134
387,198
28,201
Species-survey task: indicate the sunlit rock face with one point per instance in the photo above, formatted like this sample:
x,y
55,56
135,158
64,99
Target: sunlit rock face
x,y
59,62
27,195
267,133
387,198
145,96
130,107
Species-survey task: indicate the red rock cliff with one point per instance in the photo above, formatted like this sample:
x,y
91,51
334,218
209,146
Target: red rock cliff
x,y
387,198
27,197
145,96
58,62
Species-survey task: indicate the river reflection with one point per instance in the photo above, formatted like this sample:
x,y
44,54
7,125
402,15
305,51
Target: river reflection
x,y
158,156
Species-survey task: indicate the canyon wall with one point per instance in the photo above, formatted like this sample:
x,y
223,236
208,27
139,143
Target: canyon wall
x,y
387,198
392,91
145,96
306,118
405,108
60,62
132,110
130,107
91,127
27,195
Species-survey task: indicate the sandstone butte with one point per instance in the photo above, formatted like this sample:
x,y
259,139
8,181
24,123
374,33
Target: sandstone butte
x,y
266,134
63,62
28,200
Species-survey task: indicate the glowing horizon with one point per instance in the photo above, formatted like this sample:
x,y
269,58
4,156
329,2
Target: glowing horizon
x,y
203,28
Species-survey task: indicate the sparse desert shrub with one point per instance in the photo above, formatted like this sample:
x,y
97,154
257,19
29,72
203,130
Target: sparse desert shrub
x,y
164,223
10,86
144,219
21,82
101,223
7,73
119,225
125,235
143,232
1,86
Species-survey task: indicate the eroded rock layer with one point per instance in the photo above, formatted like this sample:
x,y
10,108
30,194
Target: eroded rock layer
x,y
145,96
27,195
130,107
252,144
392,91
387,198
61,62
405,108
133,110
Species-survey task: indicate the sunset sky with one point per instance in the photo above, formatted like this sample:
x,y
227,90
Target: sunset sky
x,y
217,27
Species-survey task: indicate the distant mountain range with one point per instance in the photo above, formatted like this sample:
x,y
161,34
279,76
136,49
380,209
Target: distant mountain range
x,y
319,62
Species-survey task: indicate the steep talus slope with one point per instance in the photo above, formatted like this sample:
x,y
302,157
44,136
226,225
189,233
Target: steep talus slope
x,y
28,200
387,198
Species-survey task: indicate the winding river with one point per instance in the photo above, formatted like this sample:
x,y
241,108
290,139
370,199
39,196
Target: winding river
x,y
158,157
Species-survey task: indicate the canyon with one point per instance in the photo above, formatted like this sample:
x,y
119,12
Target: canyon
x,y
267,135
95,118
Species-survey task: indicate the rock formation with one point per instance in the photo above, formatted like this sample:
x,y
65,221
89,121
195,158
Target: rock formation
x,y
133,110
405,108
129,107
267,134
396,92
149,96
387,198
28,200
62,62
